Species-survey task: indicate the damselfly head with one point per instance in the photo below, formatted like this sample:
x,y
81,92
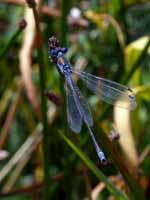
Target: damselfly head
x,y
53,43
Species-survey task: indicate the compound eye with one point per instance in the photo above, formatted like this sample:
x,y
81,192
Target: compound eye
x,y
60,54
53,52
64,49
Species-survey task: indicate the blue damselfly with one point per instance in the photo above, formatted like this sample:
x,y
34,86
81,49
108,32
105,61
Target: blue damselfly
x,y
78,110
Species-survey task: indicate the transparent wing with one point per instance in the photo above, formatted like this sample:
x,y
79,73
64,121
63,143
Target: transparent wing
x,y
84,107
81,103
73,116
109,91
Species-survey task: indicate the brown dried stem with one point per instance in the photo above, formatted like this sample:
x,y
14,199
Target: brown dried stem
x,y
110,19
25,59
21,164
10,116
44,9
123,124
28,144
25,148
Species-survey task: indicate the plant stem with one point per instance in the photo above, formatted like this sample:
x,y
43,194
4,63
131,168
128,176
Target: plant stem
x,y
65,6
43,106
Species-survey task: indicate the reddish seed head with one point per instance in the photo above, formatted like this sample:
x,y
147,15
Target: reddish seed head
x,y
54,98
22,24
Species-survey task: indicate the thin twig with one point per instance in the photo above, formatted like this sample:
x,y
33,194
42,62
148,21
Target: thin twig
x,y
21,164
46,10
117,180
25,59
51,12
37,133
16,2
18,155
4,101
10,116
37,186
111,20
144,154
117,28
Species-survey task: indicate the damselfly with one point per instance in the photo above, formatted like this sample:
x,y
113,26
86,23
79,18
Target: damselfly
x,y
78,110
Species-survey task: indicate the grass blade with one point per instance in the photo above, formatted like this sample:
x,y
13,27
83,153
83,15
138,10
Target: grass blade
x,y
118,194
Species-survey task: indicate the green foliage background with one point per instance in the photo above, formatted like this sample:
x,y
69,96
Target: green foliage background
x,y
70,166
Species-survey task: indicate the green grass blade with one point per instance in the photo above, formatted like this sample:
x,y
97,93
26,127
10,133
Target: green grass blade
x,y
13,38
118,194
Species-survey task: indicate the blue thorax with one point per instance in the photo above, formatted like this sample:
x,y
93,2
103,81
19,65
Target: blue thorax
x,y
54,52
57,54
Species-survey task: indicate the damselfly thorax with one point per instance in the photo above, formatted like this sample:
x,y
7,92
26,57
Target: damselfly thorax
x,y
61,60
63,65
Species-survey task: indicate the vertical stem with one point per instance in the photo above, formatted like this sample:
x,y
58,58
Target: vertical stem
x,y
65,6
43,106
45,126
63,22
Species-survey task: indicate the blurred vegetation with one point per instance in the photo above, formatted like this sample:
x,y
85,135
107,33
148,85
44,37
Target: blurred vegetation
x,y
40,158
